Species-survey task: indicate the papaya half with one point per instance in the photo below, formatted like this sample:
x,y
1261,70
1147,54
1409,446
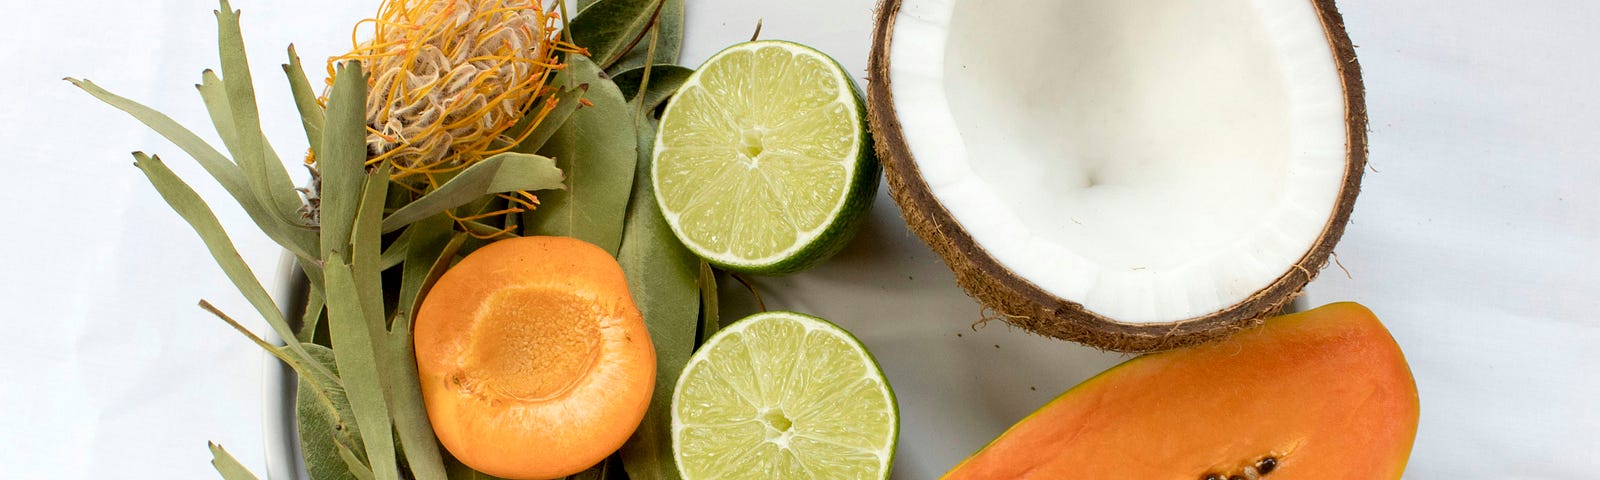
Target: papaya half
x,y
1322,394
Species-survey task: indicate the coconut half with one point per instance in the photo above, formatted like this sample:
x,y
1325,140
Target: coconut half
x,y
1136,175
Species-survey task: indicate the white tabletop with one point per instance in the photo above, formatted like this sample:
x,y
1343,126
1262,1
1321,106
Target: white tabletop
x,y
1476,239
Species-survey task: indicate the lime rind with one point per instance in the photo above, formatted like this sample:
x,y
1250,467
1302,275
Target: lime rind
x,y
698,143
782,369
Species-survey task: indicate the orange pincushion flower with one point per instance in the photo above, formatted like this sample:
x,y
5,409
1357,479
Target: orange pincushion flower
x,y
449,78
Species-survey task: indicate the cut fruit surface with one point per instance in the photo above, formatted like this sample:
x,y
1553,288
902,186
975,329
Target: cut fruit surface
x,y
1324,394
783,395
534,361
762,162
1133,174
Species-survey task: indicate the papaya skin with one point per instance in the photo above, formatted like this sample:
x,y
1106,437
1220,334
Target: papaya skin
x,y
1325,393
534,361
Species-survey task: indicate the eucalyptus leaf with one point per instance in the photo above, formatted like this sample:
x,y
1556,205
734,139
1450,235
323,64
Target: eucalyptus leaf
x,y
669,41
664,81
188,204
327,425
344,153
305,99
506,172
710,312
662,275
263,171
597,149
355,353
229,467
610,28
300,241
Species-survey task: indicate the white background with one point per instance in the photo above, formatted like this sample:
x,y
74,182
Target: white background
x,y
1475,239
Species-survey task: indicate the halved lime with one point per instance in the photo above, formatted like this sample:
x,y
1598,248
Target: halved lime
x,y
763,163
783,395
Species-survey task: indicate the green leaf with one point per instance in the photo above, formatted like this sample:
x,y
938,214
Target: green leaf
x,y
610,28
194,211
311,317
506,172
344,152
608,469
669,42
710,315
428,255
460,471
355,353
410,414
215,97
365,251
567,101
664,81
301,241
229,467
662,275
597,148
305,99
327,426
395,253
263,171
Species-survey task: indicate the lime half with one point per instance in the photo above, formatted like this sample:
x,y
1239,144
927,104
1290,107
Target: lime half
x,y
763,163
783,395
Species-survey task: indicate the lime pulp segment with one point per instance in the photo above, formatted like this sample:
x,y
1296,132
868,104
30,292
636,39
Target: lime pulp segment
x,y
757,153
783,395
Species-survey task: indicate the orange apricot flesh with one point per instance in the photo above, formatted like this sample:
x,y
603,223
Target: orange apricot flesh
x,y
534,361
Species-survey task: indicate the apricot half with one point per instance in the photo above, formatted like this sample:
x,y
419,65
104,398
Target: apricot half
x,y
533,359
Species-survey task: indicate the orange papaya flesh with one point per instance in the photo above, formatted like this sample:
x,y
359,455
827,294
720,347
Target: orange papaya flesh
x,y
1322,394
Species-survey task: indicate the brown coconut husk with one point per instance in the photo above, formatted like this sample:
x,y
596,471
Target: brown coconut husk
x,y
1025,305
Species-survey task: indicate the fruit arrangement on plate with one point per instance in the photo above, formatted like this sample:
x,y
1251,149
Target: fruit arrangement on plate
x,y
514,219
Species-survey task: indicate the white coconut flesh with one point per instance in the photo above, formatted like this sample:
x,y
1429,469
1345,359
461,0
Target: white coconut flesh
x,y
1152,160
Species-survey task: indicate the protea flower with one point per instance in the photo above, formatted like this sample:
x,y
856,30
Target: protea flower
x,y
449,78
